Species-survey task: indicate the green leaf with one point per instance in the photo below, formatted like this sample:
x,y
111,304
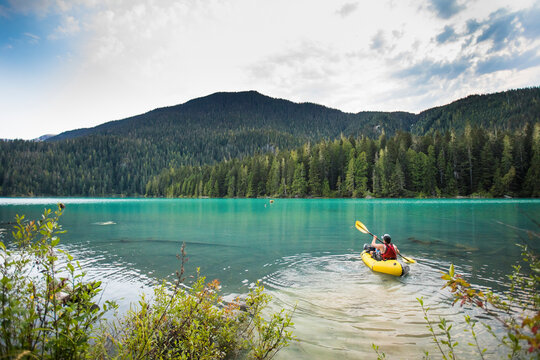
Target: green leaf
x,y
55,241
451,271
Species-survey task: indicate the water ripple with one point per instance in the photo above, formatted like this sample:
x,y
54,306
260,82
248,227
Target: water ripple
x,y
342,307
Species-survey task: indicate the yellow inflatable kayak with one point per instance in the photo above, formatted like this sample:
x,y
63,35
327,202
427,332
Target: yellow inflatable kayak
x,y
392,267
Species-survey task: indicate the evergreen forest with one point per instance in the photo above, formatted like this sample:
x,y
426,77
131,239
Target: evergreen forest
x,y
477,163
482,144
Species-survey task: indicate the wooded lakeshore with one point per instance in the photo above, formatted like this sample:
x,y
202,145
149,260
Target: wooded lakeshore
x,y
479,163
249,145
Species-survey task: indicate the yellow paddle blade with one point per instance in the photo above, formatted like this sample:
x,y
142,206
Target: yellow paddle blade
x,y
409,260
361,227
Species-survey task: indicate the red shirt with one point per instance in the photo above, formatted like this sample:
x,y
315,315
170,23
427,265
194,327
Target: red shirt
x,y
390,253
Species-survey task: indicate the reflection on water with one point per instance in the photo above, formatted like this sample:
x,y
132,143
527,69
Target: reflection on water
x,y
306,252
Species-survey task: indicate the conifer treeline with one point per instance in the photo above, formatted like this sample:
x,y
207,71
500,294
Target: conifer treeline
x,y
477,162
119,158
109,165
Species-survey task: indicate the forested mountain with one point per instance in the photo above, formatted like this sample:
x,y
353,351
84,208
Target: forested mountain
x,y
507,110
120,157
244,112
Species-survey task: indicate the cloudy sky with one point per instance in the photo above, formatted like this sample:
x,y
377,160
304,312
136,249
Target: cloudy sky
x,y
67,64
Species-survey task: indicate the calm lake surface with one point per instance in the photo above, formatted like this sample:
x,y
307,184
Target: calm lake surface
x,y
306,252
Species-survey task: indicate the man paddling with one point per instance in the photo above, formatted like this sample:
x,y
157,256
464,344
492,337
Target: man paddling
x,y
387,250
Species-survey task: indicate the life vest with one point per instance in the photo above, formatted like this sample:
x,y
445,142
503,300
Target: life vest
x,y
390,253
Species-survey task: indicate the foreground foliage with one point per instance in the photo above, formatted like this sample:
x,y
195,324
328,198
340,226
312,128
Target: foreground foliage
x,y
48,311
518,311
194,324
46,307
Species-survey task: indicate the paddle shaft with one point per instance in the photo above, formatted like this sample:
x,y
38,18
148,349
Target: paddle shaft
x,y
375,236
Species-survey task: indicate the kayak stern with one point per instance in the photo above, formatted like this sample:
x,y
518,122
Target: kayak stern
x,y
391,267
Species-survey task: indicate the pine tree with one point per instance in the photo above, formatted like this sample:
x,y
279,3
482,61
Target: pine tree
x,y
242,189
415,167
487,162
532,179
468,135
299,184
361,174
326,192
430,173
349,188
315,171
441,168
274,178
231,182
378,176
396,185
507,155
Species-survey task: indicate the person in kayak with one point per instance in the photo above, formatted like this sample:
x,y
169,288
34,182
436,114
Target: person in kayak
x,y
385,251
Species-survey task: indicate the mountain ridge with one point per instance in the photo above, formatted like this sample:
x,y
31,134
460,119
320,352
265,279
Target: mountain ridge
x,y
246,100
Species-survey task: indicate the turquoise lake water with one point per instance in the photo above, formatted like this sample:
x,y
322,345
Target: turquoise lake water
x,y
306,252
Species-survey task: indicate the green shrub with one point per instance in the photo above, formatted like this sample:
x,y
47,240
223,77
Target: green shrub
x,y
518,311
47,311
194,324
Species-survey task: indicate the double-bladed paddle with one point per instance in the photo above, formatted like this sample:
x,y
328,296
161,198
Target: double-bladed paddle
x,y
365,230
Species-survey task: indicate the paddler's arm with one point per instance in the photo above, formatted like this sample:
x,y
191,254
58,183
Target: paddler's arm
x,y
375,245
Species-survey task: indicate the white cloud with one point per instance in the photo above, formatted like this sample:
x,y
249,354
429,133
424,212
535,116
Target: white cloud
x,y
347,9
69,27
31,38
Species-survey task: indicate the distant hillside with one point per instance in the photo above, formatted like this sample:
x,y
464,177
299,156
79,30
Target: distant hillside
x,y
119,157
246,112
44,137
506,110
251,111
